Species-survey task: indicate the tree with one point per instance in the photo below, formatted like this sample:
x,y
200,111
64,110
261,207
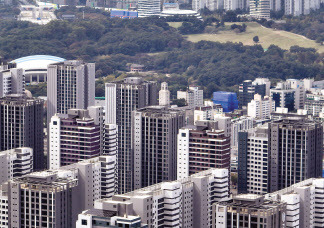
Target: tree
x,y
256,39
179,102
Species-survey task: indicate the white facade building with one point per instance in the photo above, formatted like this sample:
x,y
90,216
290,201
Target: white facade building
x,y
15,163
164,95
12,81
261,81
260,108
182,203
260,9
148,8
210,4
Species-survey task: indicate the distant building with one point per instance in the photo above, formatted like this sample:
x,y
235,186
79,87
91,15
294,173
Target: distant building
x,y
194,96
123,14
164,95
236,4
249,210
23,127
212,5
224,123
301,7
247,90
228,100
147,8
260,9
243,123
12,80
261,108
314,104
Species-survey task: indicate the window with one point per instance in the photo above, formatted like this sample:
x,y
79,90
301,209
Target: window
x,y
84,222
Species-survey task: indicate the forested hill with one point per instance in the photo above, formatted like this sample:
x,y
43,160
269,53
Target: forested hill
x,y
112,43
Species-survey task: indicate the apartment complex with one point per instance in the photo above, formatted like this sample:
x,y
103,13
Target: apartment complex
x,y
201,148
75,136
54,198
15,163
21,125
154,144
70,85
237,125
183,203
301,7
122,98
314,104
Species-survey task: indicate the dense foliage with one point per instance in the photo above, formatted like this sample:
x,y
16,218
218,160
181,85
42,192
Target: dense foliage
x,y
86,39
114,43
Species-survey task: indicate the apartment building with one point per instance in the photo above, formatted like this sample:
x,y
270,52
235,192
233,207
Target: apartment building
x,y
154,144
122,98
21,125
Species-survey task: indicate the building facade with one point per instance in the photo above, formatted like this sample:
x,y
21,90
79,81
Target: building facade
x,y
15,163
122,98
70,85
12,80
75,136
260,9
260,108
21,125
154,144
201,148
182,203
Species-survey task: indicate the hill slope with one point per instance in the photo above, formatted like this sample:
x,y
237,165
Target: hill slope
x,y
267,37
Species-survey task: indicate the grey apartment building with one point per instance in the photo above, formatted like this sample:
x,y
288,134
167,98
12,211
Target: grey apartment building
x,y
70,84
21,125
296,146
122,98
154,144
279,154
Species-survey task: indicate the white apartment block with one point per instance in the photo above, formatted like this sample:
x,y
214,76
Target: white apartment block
x,y
260,9
240,124
260,108
236,4
301,7
15,163
182,203
147,8
308,197
194,96
210,4
12,81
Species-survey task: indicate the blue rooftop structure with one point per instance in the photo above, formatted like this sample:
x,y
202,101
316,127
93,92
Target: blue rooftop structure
x,y
123,14
228,100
